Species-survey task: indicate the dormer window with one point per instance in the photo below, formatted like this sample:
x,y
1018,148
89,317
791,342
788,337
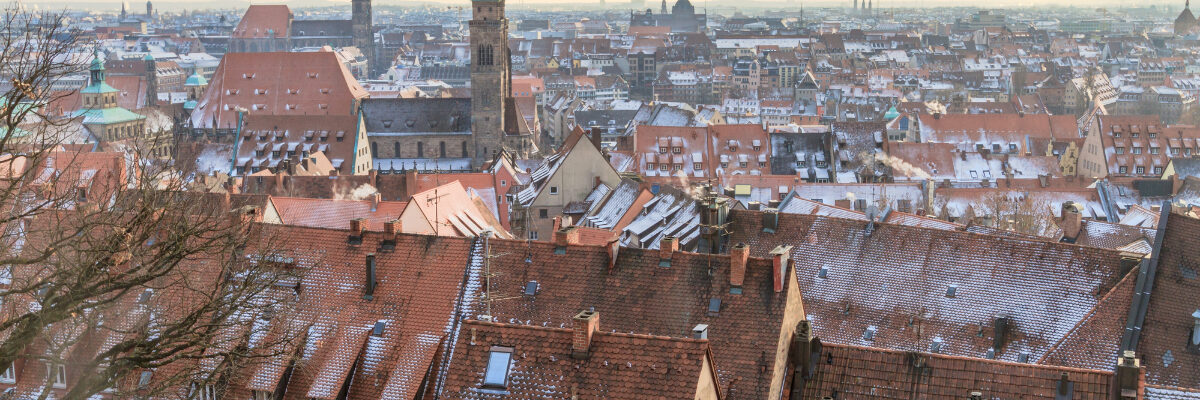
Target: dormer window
x,y
499,361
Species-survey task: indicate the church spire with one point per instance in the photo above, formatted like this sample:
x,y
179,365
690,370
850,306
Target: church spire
x,y
664,7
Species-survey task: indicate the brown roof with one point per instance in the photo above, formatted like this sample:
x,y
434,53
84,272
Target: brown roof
x,y
898,279
1170,317
264,21
328,213
638,294
853,372
619,365
334,135
416,306
971,129
308,83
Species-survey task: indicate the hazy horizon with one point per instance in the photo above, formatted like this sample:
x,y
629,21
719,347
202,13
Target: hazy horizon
x,y
175,5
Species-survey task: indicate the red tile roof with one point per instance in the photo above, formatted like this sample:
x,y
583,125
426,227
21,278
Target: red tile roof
x,y
898,278
619,365
853,372
264,21
336,136
640,295
308,83
418,284
1095,342
336,214
1170,317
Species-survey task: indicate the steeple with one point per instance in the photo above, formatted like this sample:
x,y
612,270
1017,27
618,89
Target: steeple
x,y
664,7
96,69
122,10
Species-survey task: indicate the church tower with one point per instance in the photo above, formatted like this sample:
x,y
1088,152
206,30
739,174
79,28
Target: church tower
x,y
364,36
491,82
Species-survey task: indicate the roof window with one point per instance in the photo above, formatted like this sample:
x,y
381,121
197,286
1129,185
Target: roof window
x,y
714,306
499,360
531,288
378,329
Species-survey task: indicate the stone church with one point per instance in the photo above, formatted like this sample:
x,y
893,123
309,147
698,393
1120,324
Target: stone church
x,y
457,133
1185,23
272,28
682,18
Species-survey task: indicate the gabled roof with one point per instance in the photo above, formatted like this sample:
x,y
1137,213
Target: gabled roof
x,y
638,294
336,214
308,83
899,279
619,365
263,21
1172,312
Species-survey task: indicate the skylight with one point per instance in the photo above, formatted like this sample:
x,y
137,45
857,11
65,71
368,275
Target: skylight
x,y
531,288
499,360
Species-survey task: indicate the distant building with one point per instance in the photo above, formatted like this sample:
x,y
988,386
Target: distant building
x,y
682,18
1185,23
267,28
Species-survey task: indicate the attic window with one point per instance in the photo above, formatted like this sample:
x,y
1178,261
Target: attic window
x,y
936,346
531,288
735,290
496,375
324,90
714,306
387,123
378,329
869,334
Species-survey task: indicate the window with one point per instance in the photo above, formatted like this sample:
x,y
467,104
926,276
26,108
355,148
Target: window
x,y
262,395
340,138
59,375
724,165
554,190
1012,147
676,150
442,149
662,150
677,167
649,166
1120,150
485,54
762,164
1174,151
464,149
1154,150
1137,150
696,166
206,392
533,235
1158,170
664,167
543,214
499,360
1141,170
1123,170
503,183
10,373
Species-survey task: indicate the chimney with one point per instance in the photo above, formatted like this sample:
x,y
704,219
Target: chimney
x,y
668,246
226,202
392,227
613,247
1072,222
937,115
357,226
780,260
566,236
375,198
595,136
410,183
700,331
804,356
279,181
754,206
370,292
738,256
844,203
373,175
1129,375
586,323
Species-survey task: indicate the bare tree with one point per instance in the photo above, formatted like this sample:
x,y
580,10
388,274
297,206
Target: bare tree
x,y
112,277
1016,212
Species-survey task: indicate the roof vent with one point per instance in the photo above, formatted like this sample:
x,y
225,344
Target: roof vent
x,y
714,306
936,346
870,333
700,331
951,290
1064,389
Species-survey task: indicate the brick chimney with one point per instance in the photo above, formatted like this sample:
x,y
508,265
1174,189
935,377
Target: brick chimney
x,y
780,260
595,136
738,256
613,247
566,236
586,323
392,227
357,226
1072,222
668,246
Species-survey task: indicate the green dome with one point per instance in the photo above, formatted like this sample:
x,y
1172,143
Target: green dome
x,y
891,113
195,80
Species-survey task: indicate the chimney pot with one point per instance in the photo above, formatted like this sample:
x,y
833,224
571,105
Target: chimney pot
x,y
357,226
586,323
738,256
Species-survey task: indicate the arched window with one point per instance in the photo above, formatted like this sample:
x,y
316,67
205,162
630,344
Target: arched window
x,y
396,149
485,55
420,149
442,149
